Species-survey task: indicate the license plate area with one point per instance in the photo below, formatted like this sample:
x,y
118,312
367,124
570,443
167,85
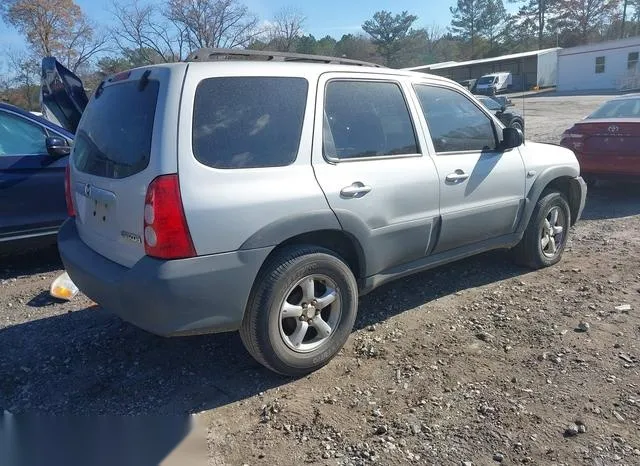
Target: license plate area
x,y
96,207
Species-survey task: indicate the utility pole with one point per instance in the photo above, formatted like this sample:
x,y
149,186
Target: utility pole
x,y
624,18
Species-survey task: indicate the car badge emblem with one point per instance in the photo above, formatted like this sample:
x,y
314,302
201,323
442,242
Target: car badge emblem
x,y
613,129
87,190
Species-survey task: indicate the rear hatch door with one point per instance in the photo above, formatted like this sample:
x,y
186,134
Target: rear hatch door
x,y
62,95
123,142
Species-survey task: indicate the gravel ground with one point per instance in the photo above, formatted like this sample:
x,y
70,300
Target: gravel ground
x,y
478,362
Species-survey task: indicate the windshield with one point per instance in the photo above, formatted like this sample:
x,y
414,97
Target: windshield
x,y
487,80
490,103
114,136
622,108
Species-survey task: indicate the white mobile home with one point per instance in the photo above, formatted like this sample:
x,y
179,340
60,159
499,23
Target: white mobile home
x,y
611,65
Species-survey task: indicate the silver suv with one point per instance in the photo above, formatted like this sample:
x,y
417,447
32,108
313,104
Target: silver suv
x,y
265,196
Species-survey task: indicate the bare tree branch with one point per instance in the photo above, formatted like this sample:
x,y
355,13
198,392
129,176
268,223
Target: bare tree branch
x,y
213,23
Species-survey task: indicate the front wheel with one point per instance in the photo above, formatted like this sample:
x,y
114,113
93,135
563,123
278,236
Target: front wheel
x,y
516,125
301,311
546,235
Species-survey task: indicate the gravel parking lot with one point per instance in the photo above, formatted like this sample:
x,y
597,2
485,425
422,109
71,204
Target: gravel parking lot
x,y
473,363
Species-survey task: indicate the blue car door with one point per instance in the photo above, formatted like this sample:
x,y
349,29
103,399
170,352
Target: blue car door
x,y
32,200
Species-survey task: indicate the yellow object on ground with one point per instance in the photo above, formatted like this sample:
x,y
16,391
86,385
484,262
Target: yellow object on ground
x,y
63,288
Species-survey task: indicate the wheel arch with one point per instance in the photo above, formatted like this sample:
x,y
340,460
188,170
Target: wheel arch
x,y
342,243
561,179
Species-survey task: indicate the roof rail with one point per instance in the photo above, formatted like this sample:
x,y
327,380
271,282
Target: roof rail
x,y
214,54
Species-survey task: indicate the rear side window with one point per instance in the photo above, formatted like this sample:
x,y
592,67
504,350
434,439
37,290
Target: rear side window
x,y
366,119
248,122
114,136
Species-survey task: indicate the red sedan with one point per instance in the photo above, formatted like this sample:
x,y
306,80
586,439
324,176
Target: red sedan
x,y
607,142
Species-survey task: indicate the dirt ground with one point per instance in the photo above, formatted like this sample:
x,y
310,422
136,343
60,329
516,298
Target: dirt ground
x,y
474,363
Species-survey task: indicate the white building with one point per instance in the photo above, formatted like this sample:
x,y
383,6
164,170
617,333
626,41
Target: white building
x,y
609,65
528,69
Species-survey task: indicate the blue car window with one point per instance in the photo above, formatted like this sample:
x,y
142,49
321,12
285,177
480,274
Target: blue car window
x,y
18,136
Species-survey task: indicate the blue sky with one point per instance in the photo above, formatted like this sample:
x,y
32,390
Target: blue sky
x,y
332,17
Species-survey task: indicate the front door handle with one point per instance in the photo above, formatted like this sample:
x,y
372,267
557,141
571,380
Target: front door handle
x,y
456,176
356,189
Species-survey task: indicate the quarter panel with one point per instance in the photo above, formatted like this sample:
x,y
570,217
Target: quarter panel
x,y
227,209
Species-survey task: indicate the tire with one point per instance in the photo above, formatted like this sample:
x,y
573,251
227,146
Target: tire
x,y
530,251
517,125
270,336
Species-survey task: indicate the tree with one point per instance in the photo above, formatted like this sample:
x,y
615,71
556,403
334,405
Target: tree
x,y
306,44
467,20
285,30
24,69
142,30
356,47
534,15
213,23
55,28
388,32
326,46
584,19
492,21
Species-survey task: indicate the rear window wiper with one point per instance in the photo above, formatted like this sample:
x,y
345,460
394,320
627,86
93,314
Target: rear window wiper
x,y
144,80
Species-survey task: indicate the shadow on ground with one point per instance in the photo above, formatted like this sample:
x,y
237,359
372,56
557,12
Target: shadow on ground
x,y
31,262
91,362
612,200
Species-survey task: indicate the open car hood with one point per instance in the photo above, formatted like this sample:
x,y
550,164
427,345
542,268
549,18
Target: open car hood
x,y
62,95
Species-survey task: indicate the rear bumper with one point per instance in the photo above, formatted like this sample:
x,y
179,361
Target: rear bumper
x,y
178,297
609,165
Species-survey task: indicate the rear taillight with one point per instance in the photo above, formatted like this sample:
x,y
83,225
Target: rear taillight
x,y
71,211
166,234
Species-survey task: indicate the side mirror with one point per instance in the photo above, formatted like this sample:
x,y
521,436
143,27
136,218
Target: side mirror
x,y
57,146
502,108
512,137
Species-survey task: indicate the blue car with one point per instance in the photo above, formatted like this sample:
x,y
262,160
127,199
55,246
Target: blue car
x,y
34,152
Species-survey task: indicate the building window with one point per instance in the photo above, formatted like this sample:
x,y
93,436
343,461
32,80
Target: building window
x,y
599,64
632,61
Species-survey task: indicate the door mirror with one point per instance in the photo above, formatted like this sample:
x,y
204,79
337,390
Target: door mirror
x,y
502,108
57,146
512,137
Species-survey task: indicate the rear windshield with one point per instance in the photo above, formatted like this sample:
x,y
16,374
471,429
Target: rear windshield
x,y
114,136
248,122
487,80
623,108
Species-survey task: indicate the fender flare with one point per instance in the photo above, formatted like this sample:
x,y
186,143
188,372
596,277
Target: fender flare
x,y
287,227
542,181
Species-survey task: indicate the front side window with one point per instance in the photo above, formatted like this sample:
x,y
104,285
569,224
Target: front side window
x,y
18,136
599,65
366,119
632,61
248,122
456,124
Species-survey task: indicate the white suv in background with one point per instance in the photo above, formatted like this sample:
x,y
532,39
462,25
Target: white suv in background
x,y
266,195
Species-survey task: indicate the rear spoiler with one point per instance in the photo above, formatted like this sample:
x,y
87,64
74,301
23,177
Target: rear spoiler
x,y
62,95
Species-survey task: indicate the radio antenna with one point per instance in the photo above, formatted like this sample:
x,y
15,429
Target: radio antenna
x,y
524,88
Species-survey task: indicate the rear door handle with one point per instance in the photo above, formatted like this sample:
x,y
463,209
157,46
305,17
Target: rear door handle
x,y
356,189
456,176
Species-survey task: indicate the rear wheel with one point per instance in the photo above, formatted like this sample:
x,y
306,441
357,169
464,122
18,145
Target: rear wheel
x,y
546,235
301,310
